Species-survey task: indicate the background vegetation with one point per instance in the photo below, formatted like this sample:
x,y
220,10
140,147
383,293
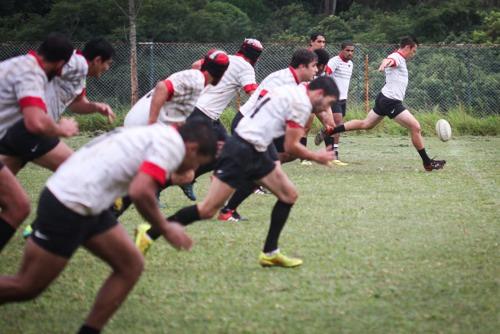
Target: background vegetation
x,y
365,21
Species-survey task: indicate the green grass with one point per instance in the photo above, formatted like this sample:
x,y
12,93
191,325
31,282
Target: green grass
x,y
387,248
463,122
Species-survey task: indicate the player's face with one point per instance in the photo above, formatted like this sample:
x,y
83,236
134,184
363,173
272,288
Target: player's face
x,y
321,102
348,52
98,66
193,159
321,68
412,51
318,43
307,73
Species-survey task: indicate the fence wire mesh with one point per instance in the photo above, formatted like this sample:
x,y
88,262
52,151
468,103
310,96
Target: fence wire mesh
x,y
441,77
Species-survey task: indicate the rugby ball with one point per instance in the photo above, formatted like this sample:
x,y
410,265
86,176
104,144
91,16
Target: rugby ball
x,y
443,130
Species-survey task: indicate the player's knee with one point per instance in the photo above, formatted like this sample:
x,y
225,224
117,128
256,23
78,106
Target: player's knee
x,y
133,268
18,212
416,127
206,211
290,197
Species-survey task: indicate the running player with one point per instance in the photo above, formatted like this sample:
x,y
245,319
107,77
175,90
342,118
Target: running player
x,y
174,99
303,67
389,102
73,210
14,205
27,132
317,41
247,157
68,90
341,67
213,101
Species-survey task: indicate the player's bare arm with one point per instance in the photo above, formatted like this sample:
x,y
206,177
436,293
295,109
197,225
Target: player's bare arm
x,y
142,191
81,105
295,148
38,122
385,63
160,96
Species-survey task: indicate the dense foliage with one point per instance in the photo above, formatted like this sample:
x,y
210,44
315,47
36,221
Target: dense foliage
x,y
365,21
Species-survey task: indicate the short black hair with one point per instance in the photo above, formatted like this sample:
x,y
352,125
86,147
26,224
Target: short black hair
x,y
98,47
346,44
314,36
323,56
302,57
326,84
56,47
408,40
200,131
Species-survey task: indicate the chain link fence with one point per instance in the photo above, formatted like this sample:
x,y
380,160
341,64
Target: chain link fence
x,y
441,77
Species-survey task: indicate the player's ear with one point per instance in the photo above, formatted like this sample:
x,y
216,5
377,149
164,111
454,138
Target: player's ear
x,y
192,148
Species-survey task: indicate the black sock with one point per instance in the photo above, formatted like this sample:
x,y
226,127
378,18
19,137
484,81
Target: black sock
x,y
303,141
88,330
424,156
328,141
184,216
338,129
6,232
238,197
279,215
336,150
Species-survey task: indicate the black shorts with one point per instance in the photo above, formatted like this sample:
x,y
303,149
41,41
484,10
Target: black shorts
x,y
61,231
239,164
237,118
25,145
219,129
279,144
385,106
339,107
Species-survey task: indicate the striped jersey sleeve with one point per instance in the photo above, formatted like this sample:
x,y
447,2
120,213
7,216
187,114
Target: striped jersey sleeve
x,y
64,89
22,85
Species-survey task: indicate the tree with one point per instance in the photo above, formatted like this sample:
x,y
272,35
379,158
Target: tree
x,y
131,14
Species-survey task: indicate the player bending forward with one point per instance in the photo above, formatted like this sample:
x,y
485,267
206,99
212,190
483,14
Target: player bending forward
x,y
389,102
246,159
73,210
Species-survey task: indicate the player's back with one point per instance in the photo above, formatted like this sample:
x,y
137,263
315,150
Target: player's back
x,y
214,99
274,80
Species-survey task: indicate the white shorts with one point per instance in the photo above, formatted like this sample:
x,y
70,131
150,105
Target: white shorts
x,y
139,114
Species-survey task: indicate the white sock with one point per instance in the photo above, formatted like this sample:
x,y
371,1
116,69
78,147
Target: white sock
x,y
274,252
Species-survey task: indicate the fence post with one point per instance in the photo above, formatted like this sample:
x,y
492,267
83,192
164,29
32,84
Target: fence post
x,y
151,66
367,86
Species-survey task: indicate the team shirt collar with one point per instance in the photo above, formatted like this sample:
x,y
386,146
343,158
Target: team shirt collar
x,y
294,73
37,57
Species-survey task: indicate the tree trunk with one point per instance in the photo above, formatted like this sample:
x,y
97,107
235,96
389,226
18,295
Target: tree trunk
x,y
134,86
329,7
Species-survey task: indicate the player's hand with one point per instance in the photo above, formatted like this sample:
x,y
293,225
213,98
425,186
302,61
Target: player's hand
x,y
105,109
324,156
177,236
67,127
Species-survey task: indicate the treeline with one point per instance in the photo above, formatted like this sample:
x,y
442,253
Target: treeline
x,y
364,21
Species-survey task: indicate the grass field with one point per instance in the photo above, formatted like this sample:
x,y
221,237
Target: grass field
x,y
387,248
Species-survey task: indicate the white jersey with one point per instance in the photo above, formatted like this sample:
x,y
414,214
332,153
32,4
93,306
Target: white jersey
x,y
22,84
239,74
101,171
184,88
62,90
341,72
280,78
396,78
281,107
